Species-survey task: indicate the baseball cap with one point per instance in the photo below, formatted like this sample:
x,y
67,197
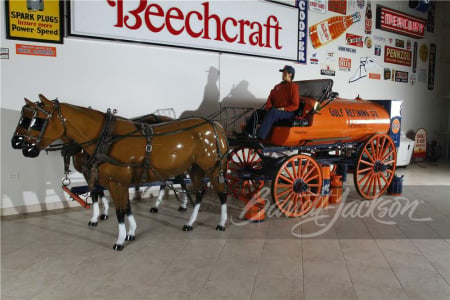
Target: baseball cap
x,y
289,69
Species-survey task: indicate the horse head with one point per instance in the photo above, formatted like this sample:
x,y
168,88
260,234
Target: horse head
x,y
21,131
47,126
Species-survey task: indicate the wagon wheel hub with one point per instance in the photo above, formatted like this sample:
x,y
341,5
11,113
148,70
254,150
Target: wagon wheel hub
x,y
300,186
379,167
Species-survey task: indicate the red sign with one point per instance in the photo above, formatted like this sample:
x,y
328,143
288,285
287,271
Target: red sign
x,y
375,76
420,145
354,40
397,56
35,50
339,6
398,22
345,64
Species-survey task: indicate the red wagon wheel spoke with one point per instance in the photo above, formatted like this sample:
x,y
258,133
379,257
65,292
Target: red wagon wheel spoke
x,y
375,167
367,163
297,183
243,160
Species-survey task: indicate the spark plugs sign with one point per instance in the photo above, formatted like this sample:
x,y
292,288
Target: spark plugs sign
x,y
253,27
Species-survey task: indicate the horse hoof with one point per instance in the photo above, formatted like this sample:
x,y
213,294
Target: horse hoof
x,y
93,224
104,217
130,238
118,247
187,228
220,228
154,210
182,209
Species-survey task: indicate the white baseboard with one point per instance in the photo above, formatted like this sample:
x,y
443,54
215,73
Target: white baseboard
x,y
26,209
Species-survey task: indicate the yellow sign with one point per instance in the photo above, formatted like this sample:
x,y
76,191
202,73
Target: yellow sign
x,y
37,20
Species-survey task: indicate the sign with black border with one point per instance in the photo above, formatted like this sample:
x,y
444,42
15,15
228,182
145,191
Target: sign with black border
x,y
35,20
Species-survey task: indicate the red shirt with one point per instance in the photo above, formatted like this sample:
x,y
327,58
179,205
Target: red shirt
x,y
285,95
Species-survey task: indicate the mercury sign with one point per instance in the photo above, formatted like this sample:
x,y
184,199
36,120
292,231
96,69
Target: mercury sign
x,y
249,27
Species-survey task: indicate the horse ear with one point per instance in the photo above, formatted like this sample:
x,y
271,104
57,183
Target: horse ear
x,y
45,101
30,103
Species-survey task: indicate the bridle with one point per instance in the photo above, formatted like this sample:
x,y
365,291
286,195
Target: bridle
x,y
40,124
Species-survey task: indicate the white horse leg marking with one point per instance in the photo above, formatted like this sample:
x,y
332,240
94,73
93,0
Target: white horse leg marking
x,y
160,197
184,202
95,213
122,234
194,215
132,225
105,205
223,215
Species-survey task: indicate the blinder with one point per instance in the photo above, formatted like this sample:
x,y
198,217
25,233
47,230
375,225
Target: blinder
x,y
40,125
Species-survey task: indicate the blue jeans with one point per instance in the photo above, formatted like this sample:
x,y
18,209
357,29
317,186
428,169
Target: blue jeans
x,y
270,117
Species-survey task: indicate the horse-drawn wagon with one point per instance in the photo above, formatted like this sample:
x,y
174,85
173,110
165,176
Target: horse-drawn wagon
x,y
327,132
119,153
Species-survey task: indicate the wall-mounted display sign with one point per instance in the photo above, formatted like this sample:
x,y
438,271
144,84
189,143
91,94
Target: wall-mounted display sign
x,y
431,66
331,28
319,6
423,52
401,76
354,40
255,28
345,64
414,61
4,53
35,50
302,30
40,20
339,6
420,145
397,56
398,22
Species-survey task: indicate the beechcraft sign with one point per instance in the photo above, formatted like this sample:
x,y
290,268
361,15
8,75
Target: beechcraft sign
x,y
249,27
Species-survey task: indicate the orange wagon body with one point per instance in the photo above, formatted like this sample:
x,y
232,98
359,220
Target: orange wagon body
x,y
342,120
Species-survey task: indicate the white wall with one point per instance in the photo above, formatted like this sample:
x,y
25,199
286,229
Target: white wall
x,y
138,79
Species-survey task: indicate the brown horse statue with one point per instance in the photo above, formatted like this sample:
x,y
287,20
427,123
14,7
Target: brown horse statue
x,y
124,153
79,158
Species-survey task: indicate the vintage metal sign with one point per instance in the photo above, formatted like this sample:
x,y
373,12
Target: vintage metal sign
x,y
259,28
431,66
398,22
345,64
319,6
4,53
339,6
414,62
35,20
302,30
354,40
401,76
397,56
35,50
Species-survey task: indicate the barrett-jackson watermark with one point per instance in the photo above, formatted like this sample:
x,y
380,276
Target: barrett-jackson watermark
x,y
382,210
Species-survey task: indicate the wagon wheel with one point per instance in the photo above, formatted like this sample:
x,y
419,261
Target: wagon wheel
x,y
375,168
242,163
297,185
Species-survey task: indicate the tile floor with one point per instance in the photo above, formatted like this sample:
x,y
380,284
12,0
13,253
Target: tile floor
x,y
387,250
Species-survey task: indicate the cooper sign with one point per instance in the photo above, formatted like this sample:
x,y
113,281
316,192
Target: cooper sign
x,y
249,27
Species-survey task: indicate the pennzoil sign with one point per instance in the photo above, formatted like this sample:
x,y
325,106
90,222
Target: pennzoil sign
x,y
397,56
